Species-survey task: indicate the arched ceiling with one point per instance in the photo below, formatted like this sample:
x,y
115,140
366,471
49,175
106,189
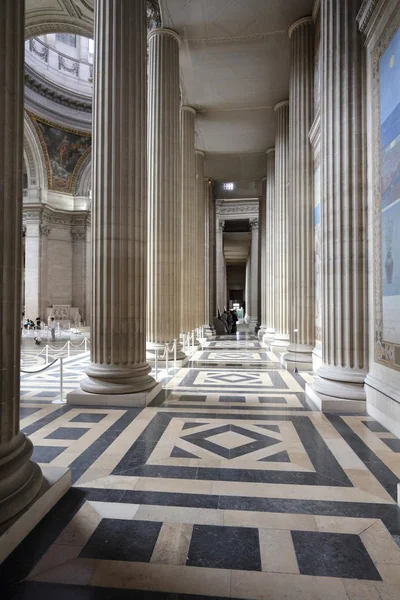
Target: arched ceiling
x,y
235,61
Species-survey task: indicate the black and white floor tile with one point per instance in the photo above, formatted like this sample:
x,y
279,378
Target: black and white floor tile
x,y
228,485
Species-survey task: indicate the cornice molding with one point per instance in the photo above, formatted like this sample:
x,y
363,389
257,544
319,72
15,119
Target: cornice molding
x,y
55,93
366,14
281,104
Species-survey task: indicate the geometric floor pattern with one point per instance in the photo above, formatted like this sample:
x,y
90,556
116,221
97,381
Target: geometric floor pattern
x,y
229,485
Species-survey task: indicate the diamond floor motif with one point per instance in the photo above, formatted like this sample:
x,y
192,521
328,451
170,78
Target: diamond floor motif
x,y
230,440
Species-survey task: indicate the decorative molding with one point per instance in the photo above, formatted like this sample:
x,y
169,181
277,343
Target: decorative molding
x,y
63,66
221,225
23,231
78,235
242,209
153,15
44,230
48,90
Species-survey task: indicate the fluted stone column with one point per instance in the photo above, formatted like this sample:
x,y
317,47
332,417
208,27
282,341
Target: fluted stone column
x,y
270,220
20,478
253,296
344,212
262,291
189,223
208,314
200,244
119,234
164,221
281,271
301,197
220,265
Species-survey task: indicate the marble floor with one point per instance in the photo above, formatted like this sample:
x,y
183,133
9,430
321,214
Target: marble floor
x,y
228,485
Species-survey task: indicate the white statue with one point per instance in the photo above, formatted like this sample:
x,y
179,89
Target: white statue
x,y
77,319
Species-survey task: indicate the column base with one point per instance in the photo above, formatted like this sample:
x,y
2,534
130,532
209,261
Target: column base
x,y
106,379
56,482
261,332
20,478
268,335
252,323
162,363
208,332
152,347
140,399
338,389
281,341
299,356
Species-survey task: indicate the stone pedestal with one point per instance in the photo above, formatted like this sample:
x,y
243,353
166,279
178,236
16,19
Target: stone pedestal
x,y
340,380
20,478
270,245
301,197
189,223
119,240
281,271
164,219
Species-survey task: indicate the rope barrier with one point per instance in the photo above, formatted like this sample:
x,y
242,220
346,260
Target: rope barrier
x,y
42,369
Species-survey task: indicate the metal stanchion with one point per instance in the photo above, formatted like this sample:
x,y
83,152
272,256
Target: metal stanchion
x,y
166,358
174,354
156,364
68,349
47,353
85,344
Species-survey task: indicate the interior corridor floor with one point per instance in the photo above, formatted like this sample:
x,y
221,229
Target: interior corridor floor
x,y
227,485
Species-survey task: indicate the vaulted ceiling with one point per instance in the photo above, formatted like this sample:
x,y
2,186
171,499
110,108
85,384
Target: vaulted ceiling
x,y
235,61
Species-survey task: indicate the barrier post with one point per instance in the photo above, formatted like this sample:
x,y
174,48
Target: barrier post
x,y
156,363
47,354
166,358
61,379
85,344
175,354
68,348
192,337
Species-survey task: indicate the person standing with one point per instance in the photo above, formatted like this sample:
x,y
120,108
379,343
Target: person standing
x,y
53,329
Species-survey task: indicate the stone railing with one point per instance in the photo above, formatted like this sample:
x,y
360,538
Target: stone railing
x,y
55,59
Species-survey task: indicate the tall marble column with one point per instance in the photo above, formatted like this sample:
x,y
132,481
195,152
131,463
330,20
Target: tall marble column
x,y
270,220
200,245
119,233
220,266
20,478
253,295
301,197
262,258
189,223
340,380
281,271
207,319
164,219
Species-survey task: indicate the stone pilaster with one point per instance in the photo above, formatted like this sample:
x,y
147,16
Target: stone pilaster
x,y
281,271
119,233
253,295
270,218
20,478
301,197
188,182
340,380
208,279
199,299
164,220
262,259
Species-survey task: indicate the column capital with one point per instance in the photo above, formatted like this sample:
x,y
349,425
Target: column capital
x,y
270,150
300,23
200,152
164,31
188,108
281,104
253,224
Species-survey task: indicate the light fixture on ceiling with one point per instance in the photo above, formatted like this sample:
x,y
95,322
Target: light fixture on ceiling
x,y
229,186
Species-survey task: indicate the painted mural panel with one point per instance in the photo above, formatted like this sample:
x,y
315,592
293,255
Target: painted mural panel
x,y
65,150
390,189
